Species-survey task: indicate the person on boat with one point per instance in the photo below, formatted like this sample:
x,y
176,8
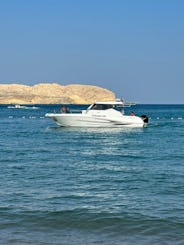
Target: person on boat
x,y
132,114
64,109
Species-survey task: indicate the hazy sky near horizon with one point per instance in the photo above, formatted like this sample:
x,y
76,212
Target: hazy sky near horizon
x,y
133,47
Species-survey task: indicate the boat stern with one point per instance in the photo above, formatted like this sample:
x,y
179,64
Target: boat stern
x,y
145,119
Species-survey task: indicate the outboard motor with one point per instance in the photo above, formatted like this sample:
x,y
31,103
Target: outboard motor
x,y
145,118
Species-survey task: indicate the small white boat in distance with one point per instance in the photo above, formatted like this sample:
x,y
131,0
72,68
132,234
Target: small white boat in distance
x,y
99,114
17,106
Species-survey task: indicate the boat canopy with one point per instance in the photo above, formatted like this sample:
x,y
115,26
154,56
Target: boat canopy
x,y
105,105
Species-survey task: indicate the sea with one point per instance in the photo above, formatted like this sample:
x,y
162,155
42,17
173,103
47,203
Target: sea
x,y
107,186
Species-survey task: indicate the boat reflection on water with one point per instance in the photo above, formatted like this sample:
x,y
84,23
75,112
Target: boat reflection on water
x,y
93,130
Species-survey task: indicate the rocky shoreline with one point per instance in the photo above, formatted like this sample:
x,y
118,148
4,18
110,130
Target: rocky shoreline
x,y
53,93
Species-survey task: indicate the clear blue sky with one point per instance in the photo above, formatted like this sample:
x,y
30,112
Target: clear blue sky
x,y
132,47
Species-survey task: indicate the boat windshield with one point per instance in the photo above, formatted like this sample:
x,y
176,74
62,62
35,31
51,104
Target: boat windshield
x,y
105,107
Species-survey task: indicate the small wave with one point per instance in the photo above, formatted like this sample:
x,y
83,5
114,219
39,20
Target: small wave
x,y
74,227
86,219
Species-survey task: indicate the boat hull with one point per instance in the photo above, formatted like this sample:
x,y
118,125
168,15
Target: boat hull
x,y
85,120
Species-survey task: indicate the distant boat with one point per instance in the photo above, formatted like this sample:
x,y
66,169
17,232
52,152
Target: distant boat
x,y
99,114
17,106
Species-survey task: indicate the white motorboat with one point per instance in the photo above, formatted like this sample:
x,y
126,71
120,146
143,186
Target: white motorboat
x,y
17,106
99,114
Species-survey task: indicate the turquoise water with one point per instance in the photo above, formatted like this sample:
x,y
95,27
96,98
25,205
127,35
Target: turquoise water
x,y
91,186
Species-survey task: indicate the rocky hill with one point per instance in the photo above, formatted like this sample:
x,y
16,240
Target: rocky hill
x,y
47,93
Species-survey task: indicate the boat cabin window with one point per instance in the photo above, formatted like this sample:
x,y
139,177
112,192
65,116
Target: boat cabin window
x,y
103,107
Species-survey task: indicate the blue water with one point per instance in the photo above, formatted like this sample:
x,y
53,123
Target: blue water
x,y
91,186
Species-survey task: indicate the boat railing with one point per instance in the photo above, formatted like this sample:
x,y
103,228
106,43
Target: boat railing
x,y
126,103
129,104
